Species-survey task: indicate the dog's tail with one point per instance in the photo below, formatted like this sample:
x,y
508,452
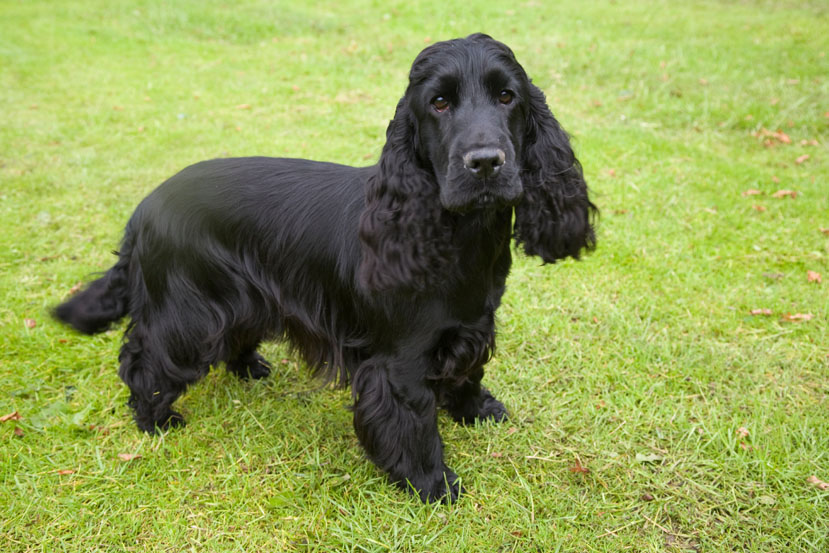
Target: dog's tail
x,y
104,301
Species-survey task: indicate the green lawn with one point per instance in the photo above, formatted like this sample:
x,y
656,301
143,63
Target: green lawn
x,y
651,411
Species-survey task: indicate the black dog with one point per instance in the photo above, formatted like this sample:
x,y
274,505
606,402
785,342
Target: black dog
x,y
387,277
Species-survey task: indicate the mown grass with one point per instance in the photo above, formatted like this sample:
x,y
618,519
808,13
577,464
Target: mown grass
x,y
698,422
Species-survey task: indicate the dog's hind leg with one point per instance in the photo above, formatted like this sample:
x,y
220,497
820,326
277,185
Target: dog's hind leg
x,y
156,377
248,363
470,401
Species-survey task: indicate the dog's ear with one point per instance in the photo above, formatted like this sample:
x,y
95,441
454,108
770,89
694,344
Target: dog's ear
x,y
403,229
554,217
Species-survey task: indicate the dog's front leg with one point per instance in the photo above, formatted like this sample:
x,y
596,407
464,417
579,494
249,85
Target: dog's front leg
x,y
395,417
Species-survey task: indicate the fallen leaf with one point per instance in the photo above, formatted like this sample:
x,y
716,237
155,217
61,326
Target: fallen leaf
x,y
243,106
30,323
782,137
824,231
761,311
801,159
784,193
815,481
742,432
579,468
646,497
772,137
812,142
775,179
128,456
797,317
65,472
75,289
18,432
752,192
813,276
760,208
496,455
11,417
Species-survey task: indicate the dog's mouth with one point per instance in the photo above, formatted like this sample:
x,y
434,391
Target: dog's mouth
x,y
465,202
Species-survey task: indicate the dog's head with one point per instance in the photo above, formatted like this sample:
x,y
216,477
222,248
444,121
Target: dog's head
x,y
471,133
469,100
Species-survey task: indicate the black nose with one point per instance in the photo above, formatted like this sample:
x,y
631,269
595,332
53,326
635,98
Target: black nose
x,y
484,162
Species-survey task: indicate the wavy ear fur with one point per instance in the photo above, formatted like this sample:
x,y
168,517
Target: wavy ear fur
x,y
554,218
404,231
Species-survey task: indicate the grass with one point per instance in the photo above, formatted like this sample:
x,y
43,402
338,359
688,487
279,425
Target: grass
x,y
698,422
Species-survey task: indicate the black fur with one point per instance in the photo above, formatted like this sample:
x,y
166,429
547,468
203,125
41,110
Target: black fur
x,y
387,277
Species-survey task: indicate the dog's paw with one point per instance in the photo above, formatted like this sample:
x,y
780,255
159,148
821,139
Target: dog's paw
x,y
483,407
443,486
250,366
171,419
492,410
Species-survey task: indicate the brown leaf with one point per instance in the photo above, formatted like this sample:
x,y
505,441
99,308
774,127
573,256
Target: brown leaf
x,y
797,317
646,497
128,456
815,481
65,472
813,276
243,106
760,208
742,432
579,468
802,158
761,311
782,137
11,417
18,432
496,455
824,231
752,192
30,323
784,193
76,288
772,136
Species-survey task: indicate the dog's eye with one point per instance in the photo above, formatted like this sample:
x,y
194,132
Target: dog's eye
x,y
440,103
505,97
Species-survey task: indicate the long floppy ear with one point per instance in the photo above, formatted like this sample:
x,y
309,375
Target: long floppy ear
x,y
554,218
405,233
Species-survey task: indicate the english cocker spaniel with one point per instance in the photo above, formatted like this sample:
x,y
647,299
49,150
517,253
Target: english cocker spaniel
x,y
386,277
